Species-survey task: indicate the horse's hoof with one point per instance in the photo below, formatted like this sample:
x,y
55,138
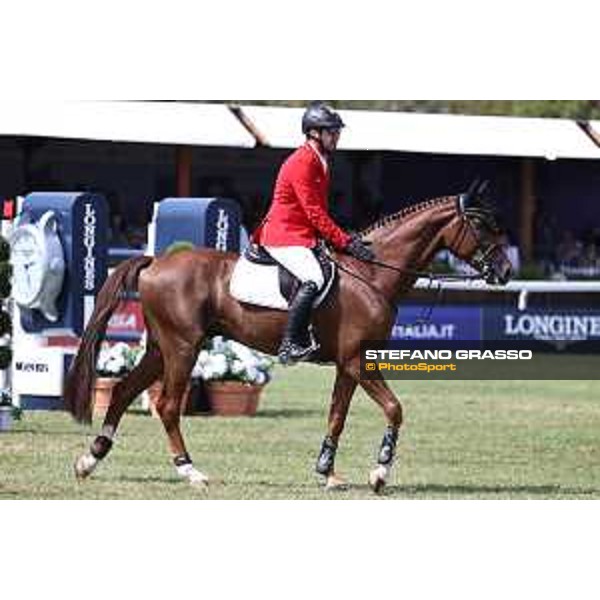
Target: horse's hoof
x,y
84,466
377,485
377,479
199,482
334,483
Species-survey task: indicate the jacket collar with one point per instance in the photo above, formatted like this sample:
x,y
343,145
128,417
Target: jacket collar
x,y
312,148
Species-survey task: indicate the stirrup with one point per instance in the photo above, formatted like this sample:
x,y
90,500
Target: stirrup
x,y
291,352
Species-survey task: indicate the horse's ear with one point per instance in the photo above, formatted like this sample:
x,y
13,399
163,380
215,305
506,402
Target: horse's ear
x,y
476,194
469,199
473,189
483,188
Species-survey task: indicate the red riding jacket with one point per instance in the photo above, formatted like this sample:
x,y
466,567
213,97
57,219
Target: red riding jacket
x,y
299,212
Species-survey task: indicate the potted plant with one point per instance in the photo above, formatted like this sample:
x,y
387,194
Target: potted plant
x,y
8,412
114,361
234,374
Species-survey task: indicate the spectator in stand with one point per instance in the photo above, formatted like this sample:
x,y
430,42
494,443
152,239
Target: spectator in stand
x,y
513,253
546,237
117,233
590,258
137,237
569,251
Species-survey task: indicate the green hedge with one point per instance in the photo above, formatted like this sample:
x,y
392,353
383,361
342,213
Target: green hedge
x,y
5,290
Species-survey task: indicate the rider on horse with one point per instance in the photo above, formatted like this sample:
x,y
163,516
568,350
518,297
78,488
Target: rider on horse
x,y
298,219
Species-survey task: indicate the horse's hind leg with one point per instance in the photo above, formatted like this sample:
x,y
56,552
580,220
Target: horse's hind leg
x,y
143,376
179,362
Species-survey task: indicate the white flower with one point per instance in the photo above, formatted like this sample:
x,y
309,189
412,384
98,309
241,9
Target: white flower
x,y
218,365
117,360
219,344
223,359
252,374
242,352
237,367
261,378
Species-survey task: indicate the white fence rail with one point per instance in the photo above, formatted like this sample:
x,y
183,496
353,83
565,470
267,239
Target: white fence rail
x,y
515,287
521,288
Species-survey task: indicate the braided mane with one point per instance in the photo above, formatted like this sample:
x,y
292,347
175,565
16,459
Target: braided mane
x,y
405,212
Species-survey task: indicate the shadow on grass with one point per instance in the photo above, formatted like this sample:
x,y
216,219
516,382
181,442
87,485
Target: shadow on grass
x,y
542,491
49,431
441,491
286,413
151,479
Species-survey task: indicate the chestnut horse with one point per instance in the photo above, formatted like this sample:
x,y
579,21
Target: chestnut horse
x,y
185,298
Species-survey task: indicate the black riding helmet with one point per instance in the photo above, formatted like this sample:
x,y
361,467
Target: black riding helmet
x,y
320,116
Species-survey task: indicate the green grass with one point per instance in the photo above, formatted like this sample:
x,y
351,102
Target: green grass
x,y
462,440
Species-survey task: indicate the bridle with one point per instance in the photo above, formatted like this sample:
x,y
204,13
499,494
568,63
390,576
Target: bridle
x,y
482,259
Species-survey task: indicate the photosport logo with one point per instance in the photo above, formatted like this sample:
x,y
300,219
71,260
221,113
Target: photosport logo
x,y
472,360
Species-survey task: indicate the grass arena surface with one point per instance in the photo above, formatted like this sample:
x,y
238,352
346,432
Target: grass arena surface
x,y
462,440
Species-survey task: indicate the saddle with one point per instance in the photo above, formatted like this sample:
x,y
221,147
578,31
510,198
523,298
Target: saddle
x,y
258,279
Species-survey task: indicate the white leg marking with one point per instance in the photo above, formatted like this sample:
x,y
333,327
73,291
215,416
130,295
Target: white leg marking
x,y
192,474
85,465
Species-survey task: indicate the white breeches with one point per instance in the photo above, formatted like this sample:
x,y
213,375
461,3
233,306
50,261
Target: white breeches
x,y
300,262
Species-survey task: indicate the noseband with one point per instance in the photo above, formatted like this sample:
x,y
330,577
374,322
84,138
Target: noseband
x,y
482,259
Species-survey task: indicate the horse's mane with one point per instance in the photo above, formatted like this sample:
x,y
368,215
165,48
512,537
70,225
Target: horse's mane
x,y
405,212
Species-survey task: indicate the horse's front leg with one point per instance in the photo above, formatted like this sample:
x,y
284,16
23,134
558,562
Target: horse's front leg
x,y
343,391
379,391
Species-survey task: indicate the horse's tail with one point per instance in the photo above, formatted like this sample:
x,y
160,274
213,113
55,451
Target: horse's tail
x,y
80,380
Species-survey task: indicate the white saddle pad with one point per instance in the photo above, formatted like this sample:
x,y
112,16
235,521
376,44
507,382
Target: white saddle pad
x,y
258,285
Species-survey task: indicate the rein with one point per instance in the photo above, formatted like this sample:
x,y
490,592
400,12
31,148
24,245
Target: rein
x,y
422,274
434,278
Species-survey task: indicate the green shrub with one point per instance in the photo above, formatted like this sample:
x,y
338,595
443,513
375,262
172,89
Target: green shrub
x,y
5,277
5,357
5,323
4,250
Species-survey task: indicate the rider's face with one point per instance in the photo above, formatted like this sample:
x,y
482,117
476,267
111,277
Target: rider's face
x,y
329,139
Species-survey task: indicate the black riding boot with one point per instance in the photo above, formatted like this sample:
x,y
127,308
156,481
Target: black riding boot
x,y
298,342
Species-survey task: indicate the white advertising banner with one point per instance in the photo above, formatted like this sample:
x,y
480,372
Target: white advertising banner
x,y
38,371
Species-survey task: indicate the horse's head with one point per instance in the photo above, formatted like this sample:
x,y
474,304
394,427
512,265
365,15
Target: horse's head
x,y
477,237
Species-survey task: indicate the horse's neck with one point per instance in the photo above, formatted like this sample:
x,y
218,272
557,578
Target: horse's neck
x,y
410,245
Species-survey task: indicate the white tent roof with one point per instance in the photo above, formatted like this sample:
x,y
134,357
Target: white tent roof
x,y
594,127
443,134
153,122
198,124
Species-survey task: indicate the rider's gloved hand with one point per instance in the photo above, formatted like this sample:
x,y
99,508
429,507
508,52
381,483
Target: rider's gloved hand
x,y
359,249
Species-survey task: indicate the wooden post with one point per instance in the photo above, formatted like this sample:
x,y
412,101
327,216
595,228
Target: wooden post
x,y
527,209
183,158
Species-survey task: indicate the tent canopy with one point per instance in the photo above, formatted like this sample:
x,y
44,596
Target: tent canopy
x,y
438,134
199,124
151,122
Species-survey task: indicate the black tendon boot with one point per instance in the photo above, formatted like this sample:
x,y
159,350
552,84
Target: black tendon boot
x,y
298,342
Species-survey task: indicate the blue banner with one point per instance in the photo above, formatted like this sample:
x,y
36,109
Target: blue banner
x,y
558,329
445,323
